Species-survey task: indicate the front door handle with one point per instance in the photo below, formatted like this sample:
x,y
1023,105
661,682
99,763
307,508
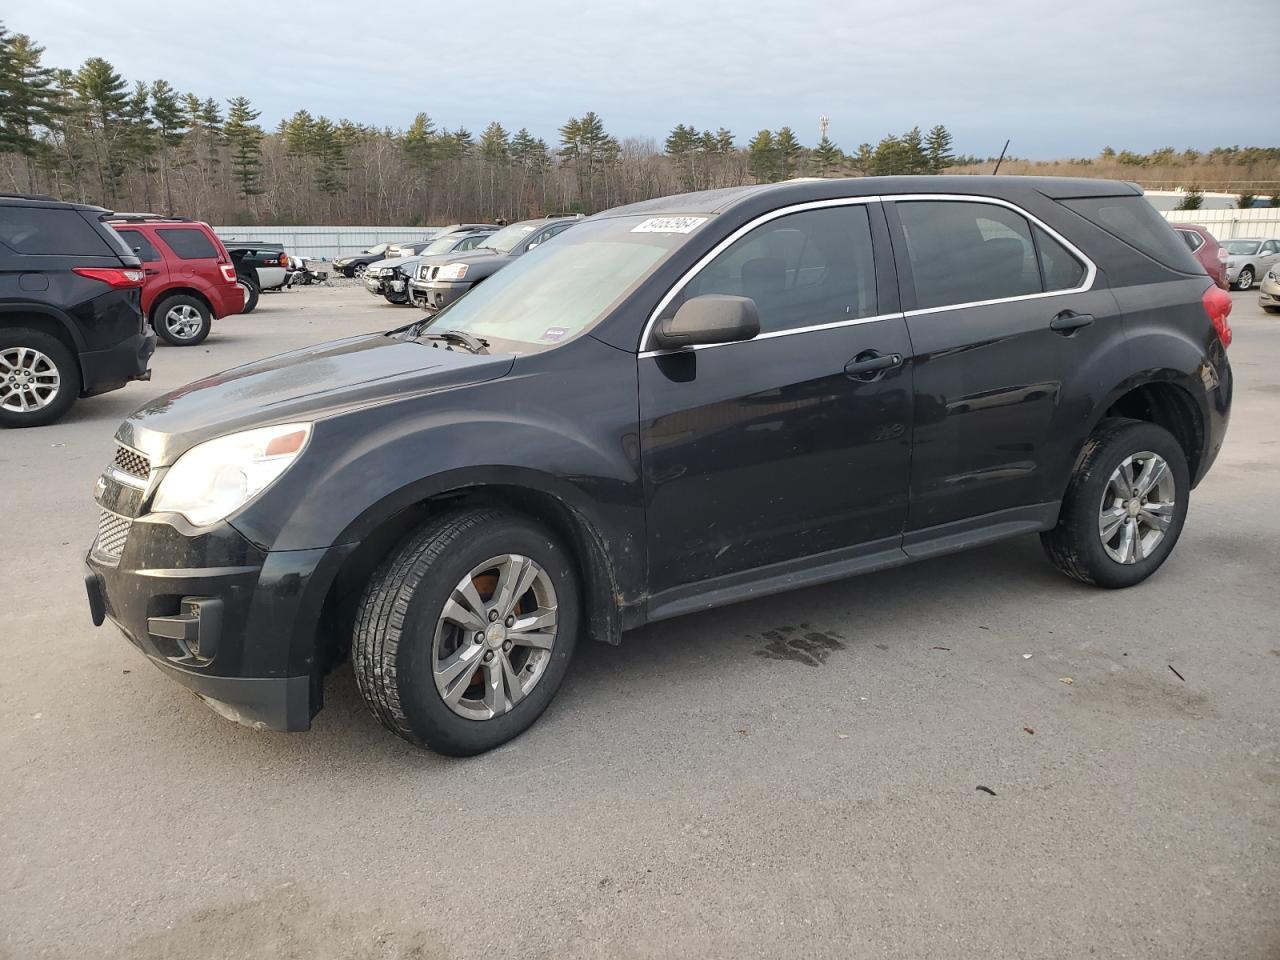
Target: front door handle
x,y
868,365
1068,322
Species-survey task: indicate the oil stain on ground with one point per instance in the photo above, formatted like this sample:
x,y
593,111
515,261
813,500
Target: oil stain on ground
x,y
804,645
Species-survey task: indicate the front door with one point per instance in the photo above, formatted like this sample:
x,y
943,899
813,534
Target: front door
x,y
795,443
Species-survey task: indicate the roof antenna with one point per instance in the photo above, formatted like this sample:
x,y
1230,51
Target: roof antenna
x,y
1001,160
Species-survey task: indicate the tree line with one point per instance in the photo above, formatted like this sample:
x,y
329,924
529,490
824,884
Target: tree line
x,y
90,135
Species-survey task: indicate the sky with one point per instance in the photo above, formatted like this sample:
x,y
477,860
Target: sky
x,y
1059,79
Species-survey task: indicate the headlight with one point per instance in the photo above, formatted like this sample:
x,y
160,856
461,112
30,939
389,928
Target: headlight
x,y
452,271
215,478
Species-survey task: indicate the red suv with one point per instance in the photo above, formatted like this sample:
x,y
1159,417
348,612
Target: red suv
x,y
1206,249
190,279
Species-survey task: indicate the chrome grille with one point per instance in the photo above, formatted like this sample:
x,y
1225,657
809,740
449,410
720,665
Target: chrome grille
x,y
132,463
113,531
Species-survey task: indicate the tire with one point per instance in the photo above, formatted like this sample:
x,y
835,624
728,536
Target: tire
x,y
358,270
251,291
1245,279
1076,545
37,372
401,632
174,316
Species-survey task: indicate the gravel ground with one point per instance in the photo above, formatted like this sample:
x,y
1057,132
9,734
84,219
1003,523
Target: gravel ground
x,y
796,776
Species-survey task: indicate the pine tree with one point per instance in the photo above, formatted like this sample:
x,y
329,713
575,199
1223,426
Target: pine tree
x,y
1192,199
762,157
586,145
495,145
916,156
170,128
1244,200
681,146
103,102
328,147
422,145
140,142
29,102
789,152
938,149
245,140
826,157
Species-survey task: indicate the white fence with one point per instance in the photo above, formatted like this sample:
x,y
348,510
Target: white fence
x,y
1225,224
325,243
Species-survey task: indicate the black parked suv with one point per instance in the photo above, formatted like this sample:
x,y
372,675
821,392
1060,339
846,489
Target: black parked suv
x,y
677,405
71,322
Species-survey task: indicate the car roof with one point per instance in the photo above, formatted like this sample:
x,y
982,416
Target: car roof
x,y
813,188
43,200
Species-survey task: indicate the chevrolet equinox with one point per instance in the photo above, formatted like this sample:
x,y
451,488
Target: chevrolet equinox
x,y
679,404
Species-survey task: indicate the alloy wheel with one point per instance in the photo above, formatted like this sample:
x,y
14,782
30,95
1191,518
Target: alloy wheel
x,y
1245,280
29,380
1137,507
495,636
183,321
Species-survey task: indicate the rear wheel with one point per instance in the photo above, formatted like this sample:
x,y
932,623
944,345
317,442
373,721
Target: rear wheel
x,y
464,635
182,321
1245,279
251,291
1125,505
39,378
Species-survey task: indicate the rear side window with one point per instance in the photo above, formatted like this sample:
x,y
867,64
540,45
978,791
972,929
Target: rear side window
x,y
803,269
41,231
964,252
1136,222
1062,271
139,243
1192,239
188,244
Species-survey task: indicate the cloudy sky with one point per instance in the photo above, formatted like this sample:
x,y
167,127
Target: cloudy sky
x,y
1062,78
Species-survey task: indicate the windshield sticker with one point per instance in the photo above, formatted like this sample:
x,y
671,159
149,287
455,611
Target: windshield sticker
x,y
554,334
670,225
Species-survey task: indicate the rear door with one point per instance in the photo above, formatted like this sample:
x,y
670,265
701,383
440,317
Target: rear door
x,y
153,264
784,450
1001,314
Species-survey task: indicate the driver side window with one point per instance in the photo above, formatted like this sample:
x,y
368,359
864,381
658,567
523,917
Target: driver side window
x,y
802,269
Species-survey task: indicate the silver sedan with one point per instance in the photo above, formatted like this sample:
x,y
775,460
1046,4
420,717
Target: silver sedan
x,y
1249,259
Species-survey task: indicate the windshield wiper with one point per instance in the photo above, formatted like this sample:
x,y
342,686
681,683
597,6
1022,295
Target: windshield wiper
x,y
473,343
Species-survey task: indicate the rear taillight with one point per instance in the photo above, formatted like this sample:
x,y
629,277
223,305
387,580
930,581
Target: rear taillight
x,y
1222,254
120,278
228,272
1217,304
284,259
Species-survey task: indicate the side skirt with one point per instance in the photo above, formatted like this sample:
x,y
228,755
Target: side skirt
x,y
851,561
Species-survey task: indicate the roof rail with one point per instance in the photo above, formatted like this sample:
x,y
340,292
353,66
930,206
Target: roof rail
x,y
29,196
144,217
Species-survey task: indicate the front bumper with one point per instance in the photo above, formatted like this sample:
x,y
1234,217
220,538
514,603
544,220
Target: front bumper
x,y
235,624
1269,292
374,285
111,369
440,293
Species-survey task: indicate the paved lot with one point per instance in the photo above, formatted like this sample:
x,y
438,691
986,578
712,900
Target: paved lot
x,y
719,786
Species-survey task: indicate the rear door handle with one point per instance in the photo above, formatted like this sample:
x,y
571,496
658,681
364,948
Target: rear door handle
x,y
869,364
149,272
1067,322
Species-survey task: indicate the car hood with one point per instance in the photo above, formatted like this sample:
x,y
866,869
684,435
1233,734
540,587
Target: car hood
x,y
393,261
304,384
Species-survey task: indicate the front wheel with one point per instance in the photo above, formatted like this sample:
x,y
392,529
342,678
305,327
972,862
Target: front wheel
x,y
1125,505
1245,280
358,271
465,633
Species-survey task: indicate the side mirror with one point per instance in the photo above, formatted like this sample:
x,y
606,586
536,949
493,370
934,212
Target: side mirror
x,y
532,245
714,318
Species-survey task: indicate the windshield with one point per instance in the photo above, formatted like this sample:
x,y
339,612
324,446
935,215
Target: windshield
x,y
505,239
380,248
1242,248
442,245
560,290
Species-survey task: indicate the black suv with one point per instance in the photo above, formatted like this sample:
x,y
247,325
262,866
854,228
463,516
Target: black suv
x,y
677,405
71,322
